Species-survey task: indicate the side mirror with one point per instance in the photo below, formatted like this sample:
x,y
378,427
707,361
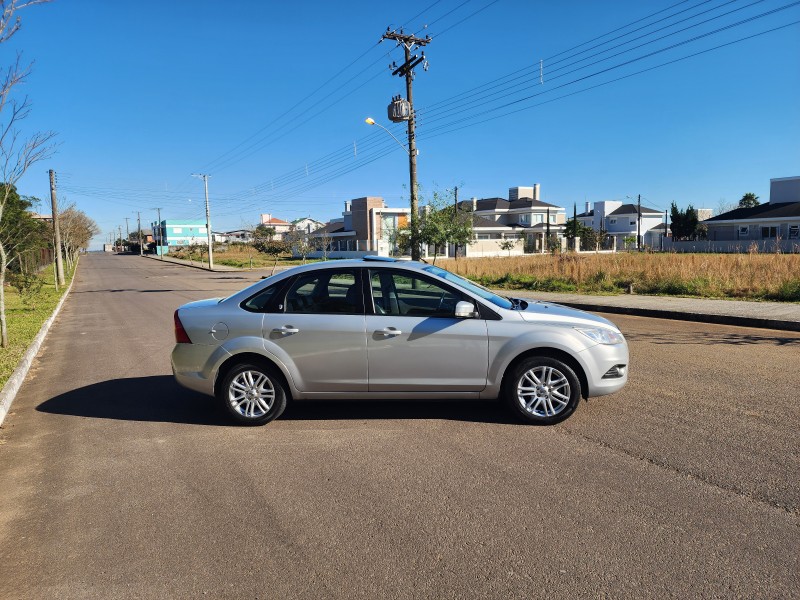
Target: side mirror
x,y
465,310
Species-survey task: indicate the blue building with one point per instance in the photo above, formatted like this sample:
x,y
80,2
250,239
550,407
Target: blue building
x,y
174,233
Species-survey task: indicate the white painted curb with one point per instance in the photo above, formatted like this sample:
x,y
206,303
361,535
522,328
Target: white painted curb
x,y
14,382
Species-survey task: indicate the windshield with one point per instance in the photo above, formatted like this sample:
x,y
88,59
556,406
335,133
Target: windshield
x,y
474,288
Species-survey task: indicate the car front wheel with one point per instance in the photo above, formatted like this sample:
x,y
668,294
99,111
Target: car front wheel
x,y
253,394
542,390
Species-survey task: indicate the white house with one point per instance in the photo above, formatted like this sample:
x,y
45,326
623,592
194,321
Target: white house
x,y
306,224
622,221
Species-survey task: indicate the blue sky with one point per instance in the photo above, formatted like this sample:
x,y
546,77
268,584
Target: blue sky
x,y
269,97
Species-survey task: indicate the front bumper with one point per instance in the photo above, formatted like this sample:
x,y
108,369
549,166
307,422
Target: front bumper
x,y
601,359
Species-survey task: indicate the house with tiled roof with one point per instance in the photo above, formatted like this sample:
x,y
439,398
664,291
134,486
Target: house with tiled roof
x,y
280,226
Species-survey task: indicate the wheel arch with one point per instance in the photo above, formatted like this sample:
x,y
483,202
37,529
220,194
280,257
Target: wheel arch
x,y
554,353
250,357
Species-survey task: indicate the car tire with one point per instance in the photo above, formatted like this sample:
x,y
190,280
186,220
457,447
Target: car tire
x,y
253,393
542,390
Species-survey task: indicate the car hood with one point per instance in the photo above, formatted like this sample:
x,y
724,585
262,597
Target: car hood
x,y
550,312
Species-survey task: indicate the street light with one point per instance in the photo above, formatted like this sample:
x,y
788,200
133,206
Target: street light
x,y
371,121
412,170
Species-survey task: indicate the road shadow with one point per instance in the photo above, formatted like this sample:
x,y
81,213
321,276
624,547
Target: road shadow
x,y
157,398
713,339
474,411
161,399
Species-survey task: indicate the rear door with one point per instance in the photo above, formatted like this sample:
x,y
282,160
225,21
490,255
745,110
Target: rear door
x,y
414,341
319,331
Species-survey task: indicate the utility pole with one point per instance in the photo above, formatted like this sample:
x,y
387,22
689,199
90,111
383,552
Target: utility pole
x,y
639,223
56,230
410,43
120,238
208,221
127,233
139,226
160,237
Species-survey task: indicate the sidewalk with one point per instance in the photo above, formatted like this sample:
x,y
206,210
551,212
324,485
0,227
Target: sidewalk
x,y
771,315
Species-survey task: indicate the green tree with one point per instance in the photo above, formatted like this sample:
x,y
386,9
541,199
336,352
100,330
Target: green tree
x,y
17,153
572,229
20,233
589,238
749,200
442,223
685,224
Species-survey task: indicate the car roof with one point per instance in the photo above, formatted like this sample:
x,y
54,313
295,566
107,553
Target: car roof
x,y
370,260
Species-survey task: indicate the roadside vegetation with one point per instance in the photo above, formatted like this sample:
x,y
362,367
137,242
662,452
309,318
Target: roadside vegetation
x,y
752,276
29,303
239,255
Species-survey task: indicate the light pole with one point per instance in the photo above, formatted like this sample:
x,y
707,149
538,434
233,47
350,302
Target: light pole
x,y
412,169
208,223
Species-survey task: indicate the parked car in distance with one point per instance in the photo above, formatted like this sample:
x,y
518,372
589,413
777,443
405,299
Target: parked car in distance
x,y
381,328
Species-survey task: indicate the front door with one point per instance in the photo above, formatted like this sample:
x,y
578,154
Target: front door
x,y
415,343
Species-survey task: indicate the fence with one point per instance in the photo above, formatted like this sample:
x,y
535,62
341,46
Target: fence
x,y
735,246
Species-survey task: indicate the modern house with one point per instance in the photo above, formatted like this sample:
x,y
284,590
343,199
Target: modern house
x,y
367,226
622,221
778,219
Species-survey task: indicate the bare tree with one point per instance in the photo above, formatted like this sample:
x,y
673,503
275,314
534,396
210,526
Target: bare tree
x,y
17,153
77,229
298,242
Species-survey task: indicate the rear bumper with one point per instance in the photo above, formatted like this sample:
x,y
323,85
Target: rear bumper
x,y
188,368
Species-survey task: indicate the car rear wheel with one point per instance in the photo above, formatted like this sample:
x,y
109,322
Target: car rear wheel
x,y
542,390
253,394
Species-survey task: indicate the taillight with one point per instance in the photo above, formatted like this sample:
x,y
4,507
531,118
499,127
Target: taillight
x,y
181,337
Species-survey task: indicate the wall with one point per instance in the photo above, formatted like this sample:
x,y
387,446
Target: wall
x,y
734,247
785,189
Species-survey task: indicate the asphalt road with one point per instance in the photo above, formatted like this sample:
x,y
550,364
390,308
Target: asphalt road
x,y
115,483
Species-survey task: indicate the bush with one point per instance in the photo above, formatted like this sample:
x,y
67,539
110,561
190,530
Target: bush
x,y
28,286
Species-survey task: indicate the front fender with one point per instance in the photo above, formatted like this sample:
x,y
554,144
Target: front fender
x,y
503,349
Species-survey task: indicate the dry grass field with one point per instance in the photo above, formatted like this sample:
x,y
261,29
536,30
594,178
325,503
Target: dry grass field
x,y
750,276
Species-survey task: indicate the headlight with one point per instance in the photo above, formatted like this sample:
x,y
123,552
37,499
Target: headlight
x,y
602,335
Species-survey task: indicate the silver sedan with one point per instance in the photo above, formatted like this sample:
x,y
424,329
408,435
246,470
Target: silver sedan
x,y
380,328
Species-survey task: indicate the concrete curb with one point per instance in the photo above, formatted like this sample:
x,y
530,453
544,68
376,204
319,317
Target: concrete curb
x,y
10,389
687,316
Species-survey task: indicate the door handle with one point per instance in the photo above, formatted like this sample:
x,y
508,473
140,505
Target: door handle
x,y
286,330
390,332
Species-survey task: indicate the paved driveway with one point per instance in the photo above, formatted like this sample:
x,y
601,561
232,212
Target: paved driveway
x,y
115,483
